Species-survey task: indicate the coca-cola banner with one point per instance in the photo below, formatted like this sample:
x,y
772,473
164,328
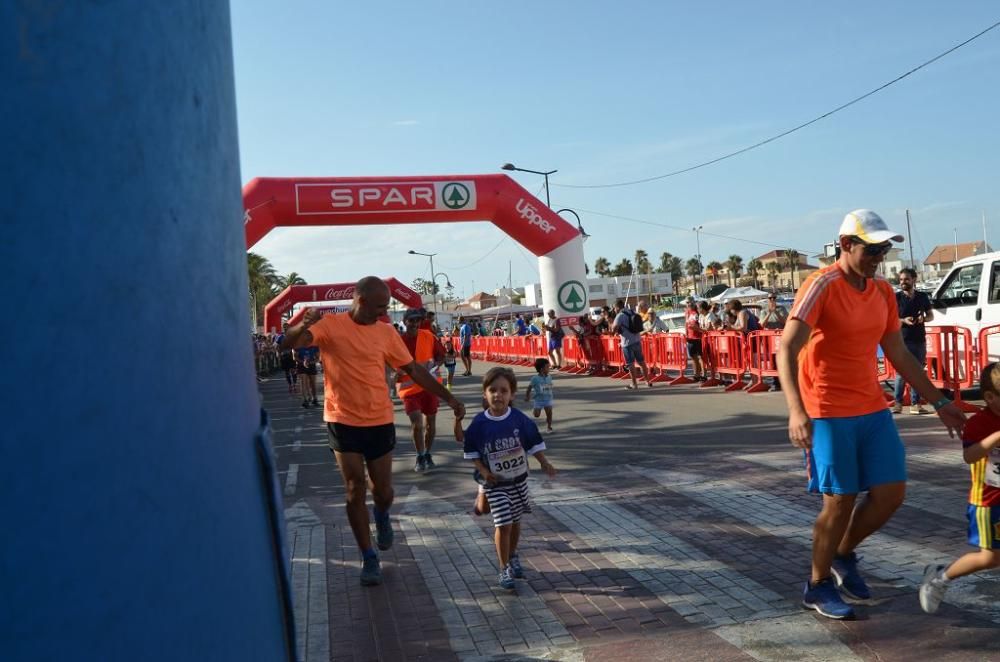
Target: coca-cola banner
x,y
294,294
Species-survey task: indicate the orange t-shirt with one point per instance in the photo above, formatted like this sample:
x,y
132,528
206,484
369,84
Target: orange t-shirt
x,y
839,364
354,359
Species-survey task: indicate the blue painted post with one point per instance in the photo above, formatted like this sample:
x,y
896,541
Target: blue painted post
x,y
136,518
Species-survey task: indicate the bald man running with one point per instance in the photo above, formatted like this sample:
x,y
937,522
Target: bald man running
x,y
357,409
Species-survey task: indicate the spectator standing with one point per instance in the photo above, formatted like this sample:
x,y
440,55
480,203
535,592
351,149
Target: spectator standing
x,y
628,326
914,311
650,322
693,333
465,345
776,316
555,333
745,321
520,326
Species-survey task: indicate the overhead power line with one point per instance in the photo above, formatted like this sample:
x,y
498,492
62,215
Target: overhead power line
x,y
789,131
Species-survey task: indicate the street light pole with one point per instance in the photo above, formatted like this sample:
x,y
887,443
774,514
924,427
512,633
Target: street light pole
x,y
697,238
544,173
433,283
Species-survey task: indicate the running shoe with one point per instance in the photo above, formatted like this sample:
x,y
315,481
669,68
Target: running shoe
x,y
315,402
506,581
897,408
305,405
420,465
516,571
932,588
384,534
849,580
917,409
824,598
428,462
371,571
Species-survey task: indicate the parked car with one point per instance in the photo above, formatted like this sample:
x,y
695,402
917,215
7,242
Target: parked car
x,y
969,296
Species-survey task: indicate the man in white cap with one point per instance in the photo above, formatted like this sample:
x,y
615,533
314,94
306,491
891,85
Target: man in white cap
x,y
837,412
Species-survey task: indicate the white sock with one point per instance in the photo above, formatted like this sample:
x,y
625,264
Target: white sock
x,y
943,577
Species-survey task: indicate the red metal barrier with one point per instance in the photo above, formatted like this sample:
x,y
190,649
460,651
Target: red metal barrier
x,y
614,358
983,349
762,347
730,356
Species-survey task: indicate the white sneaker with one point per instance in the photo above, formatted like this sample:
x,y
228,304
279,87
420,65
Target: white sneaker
x,y
932,589
917,409
897,408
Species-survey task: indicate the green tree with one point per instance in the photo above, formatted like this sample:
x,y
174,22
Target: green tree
x,y
623,268
262,284
291,279
712,269
754,266
671,264
643,267
772,274
734,266
792,262
424,286
602,267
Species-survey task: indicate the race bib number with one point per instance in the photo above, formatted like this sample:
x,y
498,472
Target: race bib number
x,y
992,474
508,464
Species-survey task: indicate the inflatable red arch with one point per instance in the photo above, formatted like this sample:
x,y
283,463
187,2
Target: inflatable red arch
x,y
294,294
281,202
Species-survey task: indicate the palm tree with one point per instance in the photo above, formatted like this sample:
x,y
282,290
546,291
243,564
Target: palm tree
x,y
712,269
671,264
291,279
753,266
262,282
693,268
792,262
734,265
623,268
772,273
602,267
643,266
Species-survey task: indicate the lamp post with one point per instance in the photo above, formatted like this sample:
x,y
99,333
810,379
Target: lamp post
x,y
434,276
511,166
697,238
579,226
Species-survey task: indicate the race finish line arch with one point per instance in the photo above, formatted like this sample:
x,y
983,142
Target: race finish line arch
x,y
282,202
293,294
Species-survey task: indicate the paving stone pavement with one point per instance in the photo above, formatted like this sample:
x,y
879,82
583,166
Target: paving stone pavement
x,y
677,529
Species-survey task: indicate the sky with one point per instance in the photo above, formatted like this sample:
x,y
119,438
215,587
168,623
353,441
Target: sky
x,y
612,93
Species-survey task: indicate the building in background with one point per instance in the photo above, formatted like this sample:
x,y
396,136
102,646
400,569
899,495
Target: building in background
x,y
776,274
605,291
943,257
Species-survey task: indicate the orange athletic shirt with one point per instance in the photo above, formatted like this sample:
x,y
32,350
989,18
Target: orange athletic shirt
x,y
838,366
354,359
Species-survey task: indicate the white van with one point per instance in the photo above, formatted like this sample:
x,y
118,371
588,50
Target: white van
x,y
969,296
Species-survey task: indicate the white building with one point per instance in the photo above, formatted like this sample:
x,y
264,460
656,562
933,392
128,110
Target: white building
x,y
604,291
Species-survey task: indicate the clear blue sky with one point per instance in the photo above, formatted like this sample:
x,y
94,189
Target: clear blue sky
x,y
608,93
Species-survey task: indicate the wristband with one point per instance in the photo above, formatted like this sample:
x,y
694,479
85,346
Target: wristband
x,y
941,403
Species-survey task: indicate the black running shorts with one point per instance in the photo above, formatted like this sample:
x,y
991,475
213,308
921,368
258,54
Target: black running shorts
x,y
371,441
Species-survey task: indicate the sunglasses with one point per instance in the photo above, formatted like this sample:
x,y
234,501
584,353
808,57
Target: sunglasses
x,y
874,250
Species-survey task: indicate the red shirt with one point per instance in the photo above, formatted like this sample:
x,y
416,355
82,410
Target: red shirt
x,y
986,470
692,329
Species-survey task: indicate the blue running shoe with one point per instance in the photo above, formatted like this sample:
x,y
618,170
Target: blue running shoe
x,y
824,598
845,571
506,581
516,571
371,571
384,534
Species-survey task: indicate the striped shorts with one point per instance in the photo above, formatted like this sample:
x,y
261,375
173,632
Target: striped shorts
x,y
508,502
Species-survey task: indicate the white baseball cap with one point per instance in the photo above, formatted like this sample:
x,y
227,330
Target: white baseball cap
x,y
869,227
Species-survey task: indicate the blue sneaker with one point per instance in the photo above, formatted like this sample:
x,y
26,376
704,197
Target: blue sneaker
x,y
506,581
516,571
371,571
824,598
384,534
845,571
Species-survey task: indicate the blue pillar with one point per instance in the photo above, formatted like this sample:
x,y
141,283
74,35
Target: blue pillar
x,y
136,518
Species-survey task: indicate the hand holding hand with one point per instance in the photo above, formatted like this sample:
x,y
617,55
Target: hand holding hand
x,y
953,418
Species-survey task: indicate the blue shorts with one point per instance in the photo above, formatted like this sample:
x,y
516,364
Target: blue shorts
x,y
633,354
451,368
855,453
541,404
984,527
555,343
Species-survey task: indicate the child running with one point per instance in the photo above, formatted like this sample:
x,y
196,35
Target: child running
x,y
981,451
541,384
449,360
498,441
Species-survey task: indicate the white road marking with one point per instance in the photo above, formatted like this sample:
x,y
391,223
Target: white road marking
x,y
307,546
291,479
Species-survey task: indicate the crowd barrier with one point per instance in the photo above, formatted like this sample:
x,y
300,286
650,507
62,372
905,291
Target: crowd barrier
x,y
736,361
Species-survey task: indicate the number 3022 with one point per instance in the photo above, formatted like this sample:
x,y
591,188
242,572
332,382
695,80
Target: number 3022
x,y
509,464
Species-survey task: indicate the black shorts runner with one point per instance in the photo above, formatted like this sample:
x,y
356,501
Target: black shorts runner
x,y
371,441
467,352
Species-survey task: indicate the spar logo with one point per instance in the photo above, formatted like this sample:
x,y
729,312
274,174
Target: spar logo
x,y
334,294
530,214
384,197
